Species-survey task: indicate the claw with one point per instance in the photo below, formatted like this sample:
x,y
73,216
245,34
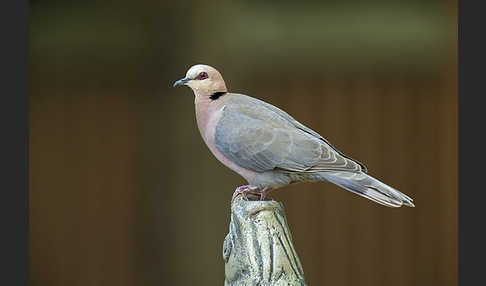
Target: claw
x,y
263,193
244,190
240,190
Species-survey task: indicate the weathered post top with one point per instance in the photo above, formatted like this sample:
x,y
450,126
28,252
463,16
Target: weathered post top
x,y
258,249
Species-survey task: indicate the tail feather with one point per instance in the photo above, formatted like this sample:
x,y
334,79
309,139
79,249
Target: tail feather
x,y
369,187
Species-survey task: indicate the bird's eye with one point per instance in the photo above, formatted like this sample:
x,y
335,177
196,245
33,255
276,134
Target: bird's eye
x,y
202,76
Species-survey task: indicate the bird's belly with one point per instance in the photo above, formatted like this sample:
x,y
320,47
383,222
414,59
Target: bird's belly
x,y
269,179
249,175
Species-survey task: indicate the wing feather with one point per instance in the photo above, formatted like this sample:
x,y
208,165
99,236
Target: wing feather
x,y
260,137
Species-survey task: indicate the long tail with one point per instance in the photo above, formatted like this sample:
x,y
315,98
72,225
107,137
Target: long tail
x,y
368,187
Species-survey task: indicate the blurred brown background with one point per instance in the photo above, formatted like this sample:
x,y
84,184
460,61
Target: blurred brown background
x,y
123,190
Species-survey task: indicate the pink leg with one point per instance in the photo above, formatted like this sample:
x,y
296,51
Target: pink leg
x,y
243,190
263,193
240,190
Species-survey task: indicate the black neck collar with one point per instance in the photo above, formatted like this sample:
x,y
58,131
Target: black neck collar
x,y
217,95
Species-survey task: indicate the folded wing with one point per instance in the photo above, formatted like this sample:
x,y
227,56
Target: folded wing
x,y
261,137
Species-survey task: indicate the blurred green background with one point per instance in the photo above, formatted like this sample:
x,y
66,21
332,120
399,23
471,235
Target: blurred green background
x,y
123,191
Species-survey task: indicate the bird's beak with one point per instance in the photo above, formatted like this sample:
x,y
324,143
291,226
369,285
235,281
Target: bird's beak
x,y
182,81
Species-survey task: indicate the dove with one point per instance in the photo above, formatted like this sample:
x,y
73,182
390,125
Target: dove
x,y
269,148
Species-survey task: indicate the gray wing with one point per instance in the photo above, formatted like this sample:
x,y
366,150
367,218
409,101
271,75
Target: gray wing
x,y
306,129
261,137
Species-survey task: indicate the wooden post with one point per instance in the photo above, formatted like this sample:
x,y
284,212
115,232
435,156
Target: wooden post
x,y
258,249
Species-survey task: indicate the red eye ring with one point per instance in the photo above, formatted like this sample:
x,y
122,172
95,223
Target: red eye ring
x,y
202,75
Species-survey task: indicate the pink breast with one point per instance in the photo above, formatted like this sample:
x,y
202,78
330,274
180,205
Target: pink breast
x,y
208,115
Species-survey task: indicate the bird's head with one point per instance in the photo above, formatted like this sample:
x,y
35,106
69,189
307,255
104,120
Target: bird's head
x,y
204,80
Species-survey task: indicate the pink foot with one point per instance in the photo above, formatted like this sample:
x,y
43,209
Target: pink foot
x,y
244,190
